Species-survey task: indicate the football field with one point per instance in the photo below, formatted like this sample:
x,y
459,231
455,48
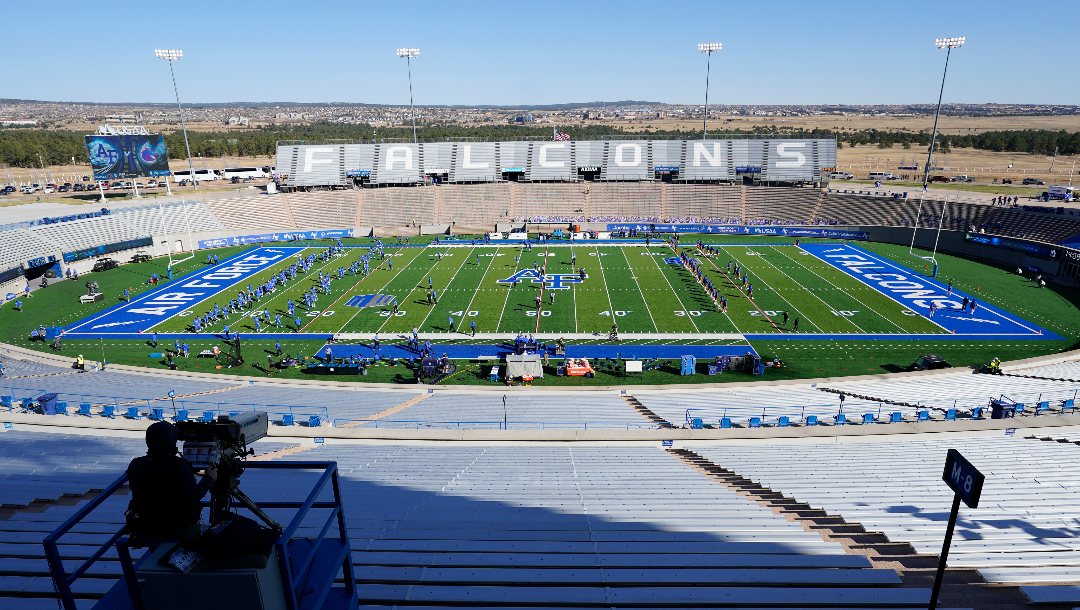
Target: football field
x,y
827,289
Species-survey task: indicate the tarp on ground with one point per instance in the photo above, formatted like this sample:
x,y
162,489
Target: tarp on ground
x,y
518,365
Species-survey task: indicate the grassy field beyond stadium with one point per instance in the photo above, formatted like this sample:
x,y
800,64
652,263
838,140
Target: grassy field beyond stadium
x,y
641,288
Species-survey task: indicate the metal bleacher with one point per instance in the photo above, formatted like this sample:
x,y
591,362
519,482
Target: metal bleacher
x,y
1023,532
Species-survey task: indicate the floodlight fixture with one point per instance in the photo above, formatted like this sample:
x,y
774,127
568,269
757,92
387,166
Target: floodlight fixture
x,y
171,55
408,53
708,48
950,43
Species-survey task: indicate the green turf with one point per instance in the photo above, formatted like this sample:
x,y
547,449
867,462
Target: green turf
x,y
630,285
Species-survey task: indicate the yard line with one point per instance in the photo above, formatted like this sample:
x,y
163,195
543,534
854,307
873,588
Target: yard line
x,y
573,290
733,324
347,291
677,297
736,285
607,293
464,260
811,292
852,296
509,288
430,272
478,288
379,291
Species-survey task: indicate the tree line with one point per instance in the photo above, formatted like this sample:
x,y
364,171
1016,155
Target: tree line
x,y
26,147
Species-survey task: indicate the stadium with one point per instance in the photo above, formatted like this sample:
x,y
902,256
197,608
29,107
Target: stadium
x,y
544,373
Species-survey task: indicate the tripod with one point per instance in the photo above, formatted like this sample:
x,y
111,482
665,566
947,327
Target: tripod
x,y
226,489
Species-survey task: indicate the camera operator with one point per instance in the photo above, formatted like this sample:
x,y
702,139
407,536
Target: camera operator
x,y
165,498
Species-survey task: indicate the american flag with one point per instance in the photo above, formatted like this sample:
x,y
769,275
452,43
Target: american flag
x,y
560,136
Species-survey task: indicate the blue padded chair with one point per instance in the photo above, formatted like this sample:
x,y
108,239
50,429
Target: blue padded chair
x,y
977,413
950,415
207,416
133,413
157,413
725,422
783,421
923,416
696,423
61,408
84,409
181,415
1068,403
7,402
1019,408
868,418
840,419
811,420
314,421
108,411
755,422
288,419
896,417
1042,407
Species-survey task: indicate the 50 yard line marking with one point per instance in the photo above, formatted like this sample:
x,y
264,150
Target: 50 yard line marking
x,y
853,297
383,287
429,271
478,288
347,291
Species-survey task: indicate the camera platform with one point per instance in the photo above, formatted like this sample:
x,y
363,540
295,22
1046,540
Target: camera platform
x,y
300,574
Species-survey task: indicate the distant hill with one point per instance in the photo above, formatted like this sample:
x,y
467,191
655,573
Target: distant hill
x,y
566,106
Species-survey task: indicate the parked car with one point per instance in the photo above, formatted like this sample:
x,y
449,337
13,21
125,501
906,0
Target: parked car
x,y
86,178
929,362
962,178
104,264
841,176
63,188
50,188
78,187
153,184
140,257
939,178
1034,181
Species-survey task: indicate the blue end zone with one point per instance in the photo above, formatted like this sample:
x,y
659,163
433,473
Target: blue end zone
x,y
916,292
147,310
631,352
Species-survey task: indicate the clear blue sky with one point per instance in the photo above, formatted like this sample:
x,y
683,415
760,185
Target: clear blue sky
x,y
778,52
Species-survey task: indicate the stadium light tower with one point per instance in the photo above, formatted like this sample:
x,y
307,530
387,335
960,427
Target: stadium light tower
x,y
708,48
171,55
409,53
948,44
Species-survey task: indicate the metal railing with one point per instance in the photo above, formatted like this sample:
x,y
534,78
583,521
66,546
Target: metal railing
x,y
416,424
294,571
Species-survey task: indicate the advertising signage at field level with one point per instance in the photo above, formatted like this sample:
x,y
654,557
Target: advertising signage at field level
x,y
240,240
1013,244
741,230
127,156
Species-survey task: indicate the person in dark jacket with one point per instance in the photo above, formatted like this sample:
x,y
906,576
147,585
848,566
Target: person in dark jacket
x,y
164,493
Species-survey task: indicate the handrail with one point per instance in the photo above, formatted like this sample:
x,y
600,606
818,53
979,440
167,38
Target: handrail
x,y
416,424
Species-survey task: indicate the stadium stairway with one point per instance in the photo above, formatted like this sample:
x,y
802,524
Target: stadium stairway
x,y
646,412
961,586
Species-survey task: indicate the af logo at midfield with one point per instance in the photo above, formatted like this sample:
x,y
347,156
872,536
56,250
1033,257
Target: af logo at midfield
x,y
553,281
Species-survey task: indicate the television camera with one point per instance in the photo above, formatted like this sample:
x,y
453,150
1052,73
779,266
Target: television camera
x,y
223,443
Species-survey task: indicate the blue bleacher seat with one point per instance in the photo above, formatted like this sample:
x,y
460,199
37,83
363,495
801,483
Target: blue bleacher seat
x,y
896,417
811,420
783,421
1019,408
84,409
108,411
696,423
1068,403
181,415
314,421
133,413
725,422
1042,407
61,408
207,416
287,419
157,413
840,419
924,416
868,418
977,413
755,422
950,415
6,402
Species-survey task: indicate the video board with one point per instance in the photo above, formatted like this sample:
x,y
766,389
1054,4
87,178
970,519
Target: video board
x,y
127,156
